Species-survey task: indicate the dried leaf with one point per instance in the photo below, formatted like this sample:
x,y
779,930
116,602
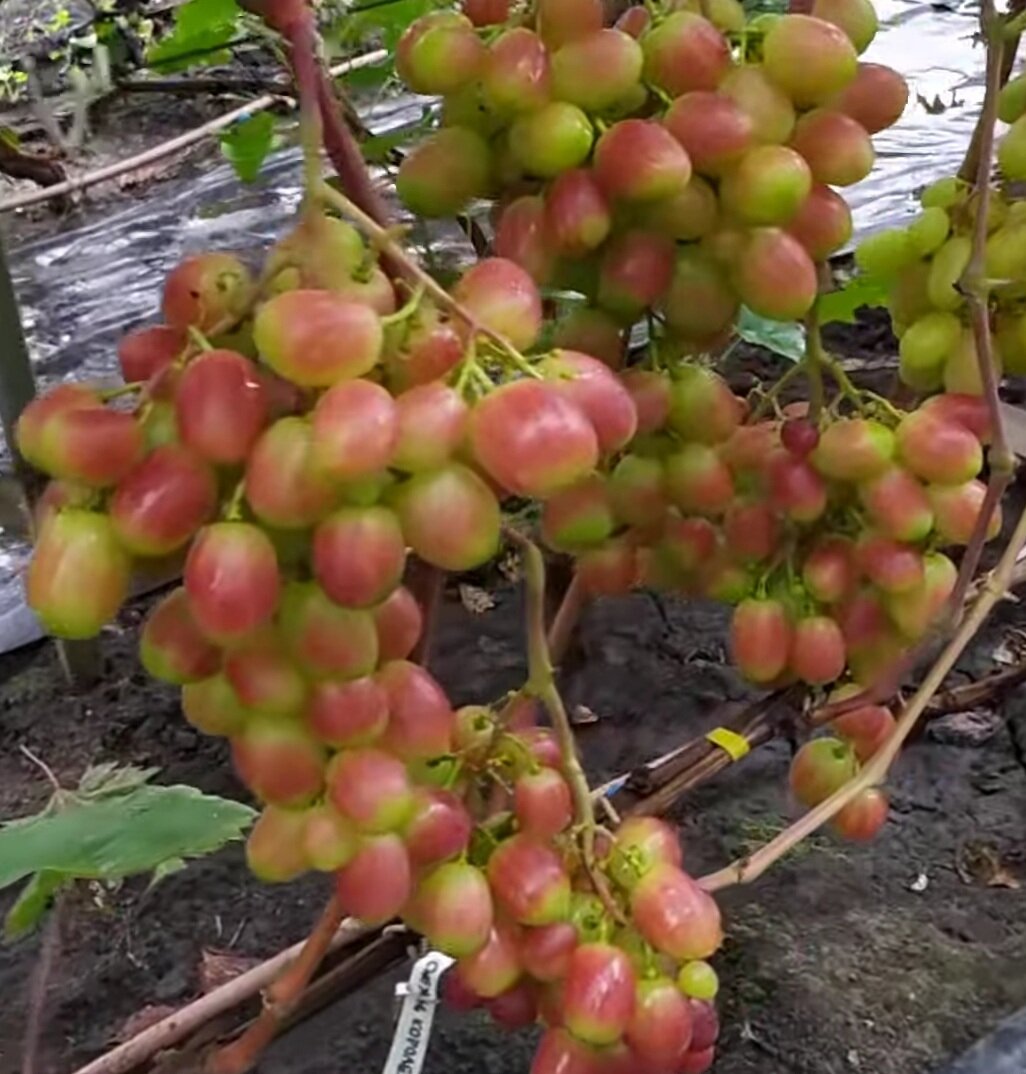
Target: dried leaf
x,y
142,1020
981,863
219,967
477,601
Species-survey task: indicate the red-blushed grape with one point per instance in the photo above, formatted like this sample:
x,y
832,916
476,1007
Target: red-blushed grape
x,y
231,576
494,968
659,1032
350,714
863,817
542,803
642,843
421,720
221,405
359,554
326,640
275,851
817,650
685,52
377,882
439,827
453,906
329,840
371,788
761,638
529,881
147,351
439,52
675,915
598,997
171,646
212,706
279,761
355,430
399,621
207,291
163,502
449,517
79,574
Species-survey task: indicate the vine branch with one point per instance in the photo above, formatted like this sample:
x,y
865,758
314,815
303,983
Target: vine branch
x,y
541,683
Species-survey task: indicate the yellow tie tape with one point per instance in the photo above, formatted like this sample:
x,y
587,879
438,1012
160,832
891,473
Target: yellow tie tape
x,y
730,741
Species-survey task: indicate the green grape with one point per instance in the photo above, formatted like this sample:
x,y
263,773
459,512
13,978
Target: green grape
x,y
907,299
698,980
885,254
997,210
1005,256
1016,213
1011,152
925,347
943,194
962,369
929,230
946,270
1012,100
1010,341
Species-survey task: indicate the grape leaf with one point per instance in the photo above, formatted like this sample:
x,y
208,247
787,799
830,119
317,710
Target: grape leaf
x,y
31,904
842,304
202,29
786,338
120,835
246,144
383,20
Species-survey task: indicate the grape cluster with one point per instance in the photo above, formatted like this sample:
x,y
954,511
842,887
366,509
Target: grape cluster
x,y
823,765
676,166
826,536
293,440
923,265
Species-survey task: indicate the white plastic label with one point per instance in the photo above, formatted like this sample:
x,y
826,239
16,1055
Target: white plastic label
x,y
420,998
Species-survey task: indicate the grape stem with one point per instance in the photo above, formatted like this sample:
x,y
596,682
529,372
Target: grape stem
x,y
541,684
747,869
813,363
385,241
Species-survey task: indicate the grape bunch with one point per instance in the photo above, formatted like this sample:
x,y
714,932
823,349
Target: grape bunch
x,y
673,167
828,537
824,764
291,438
923,265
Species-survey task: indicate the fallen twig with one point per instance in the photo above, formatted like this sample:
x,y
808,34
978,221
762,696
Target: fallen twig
x,y
174,145
35,1017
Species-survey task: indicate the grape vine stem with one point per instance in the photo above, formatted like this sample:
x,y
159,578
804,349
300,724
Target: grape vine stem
x,y
541,683
976,289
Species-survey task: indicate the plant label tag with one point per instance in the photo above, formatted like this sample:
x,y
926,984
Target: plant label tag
x,y
419,999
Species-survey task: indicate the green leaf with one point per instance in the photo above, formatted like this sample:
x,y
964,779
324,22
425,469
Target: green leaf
x,y
202,29
114,837
786,338
246,145
859,291
110,778
384,20
31,904
378,148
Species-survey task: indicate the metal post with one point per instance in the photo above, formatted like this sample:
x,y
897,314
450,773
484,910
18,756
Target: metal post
x,y
80,659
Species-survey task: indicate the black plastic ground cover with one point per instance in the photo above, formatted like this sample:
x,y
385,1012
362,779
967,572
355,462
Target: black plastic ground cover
x,y
1001,1052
